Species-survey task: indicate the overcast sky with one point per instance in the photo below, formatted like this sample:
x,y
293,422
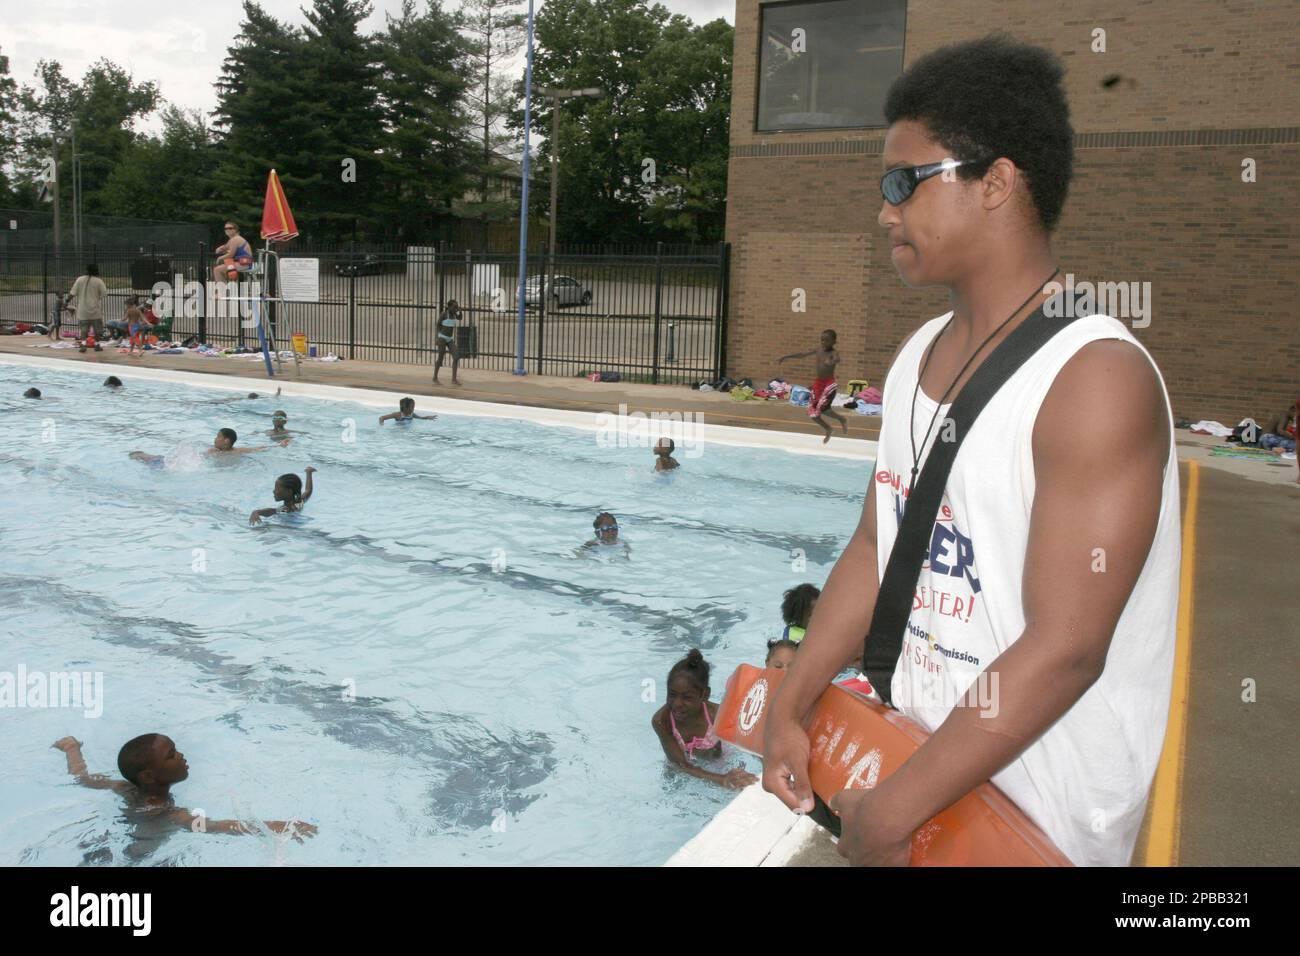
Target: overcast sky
x,y
179,44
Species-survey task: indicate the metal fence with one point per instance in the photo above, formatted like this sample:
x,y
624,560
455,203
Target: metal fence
x,y
33,229
653,314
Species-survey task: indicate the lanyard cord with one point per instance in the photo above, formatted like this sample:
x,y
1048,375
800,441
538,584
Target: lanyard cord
x,y
911,427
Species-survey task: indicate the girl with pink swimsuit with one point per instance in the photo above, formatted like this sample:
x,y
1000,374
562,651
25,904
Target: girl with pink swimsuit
x,y
684,724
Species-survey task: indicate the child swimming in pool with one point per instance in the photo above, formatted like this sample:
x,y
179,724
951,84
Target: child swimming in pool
x,y
237,398
796,610
277,430
289,491
664,460
151,766
223,444
685,723
405,413
780,654
606,528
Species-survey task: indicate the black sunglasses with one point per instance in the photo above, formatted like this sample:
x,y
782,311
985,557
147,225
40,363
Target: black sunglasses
x,y
898,184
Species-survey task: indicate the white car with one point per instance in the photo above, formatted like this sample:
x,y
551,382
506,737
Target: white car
x,y
562,290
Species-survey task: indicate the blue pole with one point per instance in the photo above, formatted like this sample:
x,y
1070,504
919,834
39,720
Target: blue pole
x,y
523,202
261,337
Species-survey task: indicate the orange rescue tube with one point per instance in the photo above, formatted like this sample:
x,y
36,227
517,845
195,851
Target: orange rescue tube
x,y
857,742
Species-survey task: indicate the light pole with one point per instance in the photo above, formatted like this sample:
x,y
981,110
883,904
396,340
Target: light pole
x,y
523,202
556,96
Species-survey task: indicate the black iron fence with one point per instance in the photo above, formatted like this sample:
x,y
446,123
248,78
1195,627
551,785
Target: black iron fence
x,y
653,314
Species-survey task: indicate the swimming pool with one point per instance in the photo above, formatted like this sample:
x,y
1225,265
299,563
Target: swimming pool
x,y
419,663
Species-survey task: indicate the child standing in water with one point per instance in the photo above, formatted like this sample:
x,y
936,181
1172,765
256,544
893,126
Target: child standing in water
x,y
796,609
780,654
824,387
405,413
606,528
664,460
277,430
289,492
685,723
152,765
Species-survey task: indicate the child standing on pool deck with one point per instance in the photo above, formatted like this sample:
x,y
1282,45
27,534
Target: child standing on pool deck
x,y
824,387
288,490
152,765
685,723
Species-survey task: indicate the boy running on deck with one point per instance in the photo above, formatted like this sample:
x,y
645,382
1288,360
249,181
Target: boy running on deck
x,y
824,387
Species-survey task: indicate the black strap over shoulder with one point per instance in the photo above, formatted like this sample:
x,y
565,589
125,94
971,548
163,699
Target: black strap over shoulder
x,y
912,545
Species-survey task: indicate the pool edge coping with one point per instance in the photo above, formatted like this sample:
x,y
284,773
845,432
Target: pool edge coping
x,y
656,424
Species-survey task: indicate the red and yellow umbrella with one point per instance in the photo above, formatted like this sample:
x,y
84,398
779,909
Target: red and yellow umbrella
x,y
277,218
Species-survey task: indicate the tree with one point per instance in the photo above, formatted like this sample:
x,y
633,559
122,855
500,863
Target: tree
x,y
687,90
344,72
667,100
12,191
167,177
496,31
263,122
102,108
422,88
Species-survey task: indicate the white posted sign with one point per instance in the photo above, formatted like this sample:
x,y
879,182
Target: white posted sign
x,y
300,280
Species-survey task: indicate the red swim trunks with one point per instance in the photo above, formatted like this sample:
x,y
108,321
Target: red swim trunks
x,y
823,391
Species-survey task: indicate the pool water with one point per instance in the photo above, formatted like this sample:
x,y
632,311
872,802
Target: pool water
x,y
421,663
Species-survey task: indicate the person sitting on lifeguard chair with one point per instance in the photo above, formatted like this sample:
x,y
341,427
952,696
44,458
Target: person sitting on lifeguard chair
x,y
234,255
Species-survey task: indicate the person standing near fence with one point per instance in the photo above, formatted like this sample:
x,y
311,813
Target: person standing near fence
x,y
446,341
88,294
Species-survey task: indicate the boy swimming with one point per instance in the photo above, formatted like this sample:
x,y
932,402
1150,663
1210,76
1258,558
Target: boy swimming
x,y
405,413
684,724
151,766
289,491
824,387
237,398
664,460
606,528
223,444
277,429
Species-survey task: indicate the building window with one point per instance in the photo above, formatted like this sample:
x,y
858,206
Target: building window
x,y
827,64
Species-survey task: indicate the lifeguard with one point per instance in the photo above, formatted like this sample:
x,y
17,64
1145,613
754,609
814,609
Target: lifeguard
x,y
234,255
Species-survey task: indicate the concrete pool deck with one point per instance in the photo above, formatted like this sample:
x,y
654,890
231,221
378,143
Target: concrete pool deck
x,y
1226,791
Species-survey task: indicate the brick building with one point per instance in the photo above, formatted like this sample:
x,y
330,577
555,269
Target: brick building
x,y
1184,93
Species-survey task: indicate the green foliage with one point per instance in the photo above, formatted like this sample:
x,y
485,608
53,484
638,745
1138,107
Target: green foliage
x,y
383,135
667,85
427,150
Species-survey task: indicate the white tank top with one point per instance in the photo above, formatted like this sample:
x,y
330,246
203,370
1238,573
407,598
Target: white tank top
x,y
1086,780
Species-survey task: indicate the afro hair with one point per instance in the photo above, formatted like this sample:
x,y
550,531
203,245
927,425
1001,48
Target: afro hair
x,y
994,97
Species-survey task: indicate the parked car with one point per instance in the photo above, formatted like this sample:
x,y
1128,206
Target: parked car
x,y
360,265
562,290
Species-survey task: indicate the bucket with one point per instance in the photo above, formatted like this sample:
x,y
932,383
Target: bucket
x,y
300,342
800,396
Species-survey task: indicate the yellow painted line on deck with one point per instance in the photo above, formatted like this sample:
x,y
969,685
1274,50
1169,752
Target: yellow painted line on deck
x,y
1166,794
